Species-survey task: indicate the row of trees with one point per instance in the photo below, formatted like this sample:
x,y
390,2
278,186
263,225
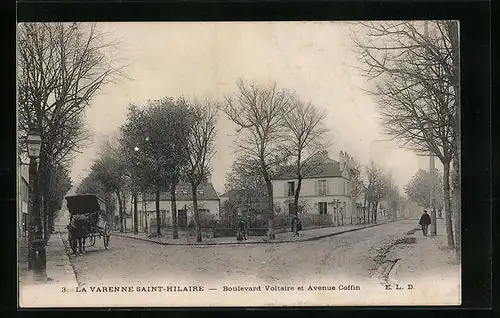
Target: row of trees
x,y
170,140
416,68
61,67
161,143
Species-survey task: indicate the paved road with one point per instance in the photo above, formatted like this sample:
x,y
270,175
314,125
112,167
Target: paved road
x,y
346,255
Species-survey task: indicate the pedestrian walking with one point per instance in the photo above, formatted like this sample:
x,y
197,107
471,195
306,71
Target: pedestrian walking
x,y
425,220
296,226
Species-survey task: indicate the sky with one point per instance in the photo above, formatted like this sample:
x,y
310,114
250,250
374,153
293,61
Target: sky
x,y
314,59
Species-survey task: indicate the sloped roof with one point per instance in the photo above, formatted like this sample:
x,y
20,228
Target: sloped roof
x,y
328,169
206,191
229,193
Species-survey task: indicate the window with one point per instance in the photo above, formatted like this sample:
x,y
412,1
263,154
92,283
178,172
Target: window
x,y
322,187
322,206
291,188
290,208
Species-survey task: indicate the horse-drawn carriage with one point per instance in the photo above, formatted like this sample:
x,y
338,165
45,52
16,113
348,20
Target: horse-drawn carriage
x,y
88,220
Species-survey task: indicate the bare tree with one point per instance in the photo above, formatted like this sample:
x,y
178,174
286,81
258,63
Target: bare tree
x,y
61,68
417,90
418,188
357,185
258,112
110,171
306,141
159,132
376,188
200,149
393,197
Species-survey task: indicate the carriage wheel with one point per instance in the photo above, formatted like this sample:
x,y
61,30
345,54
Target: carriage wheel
x,y
92,240
106,236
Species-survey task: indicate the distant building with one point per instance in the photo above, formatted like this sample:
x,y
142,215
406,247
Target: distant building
x,y
208,205
23,197
327,183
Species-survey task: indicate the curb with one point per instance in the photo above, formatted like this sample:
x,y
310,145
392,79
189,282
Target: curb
x,y
78,283
246,243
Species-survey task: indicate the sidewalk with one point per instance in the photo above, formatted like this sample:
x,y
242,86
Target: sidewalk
x,y
305,235
428,264
60,274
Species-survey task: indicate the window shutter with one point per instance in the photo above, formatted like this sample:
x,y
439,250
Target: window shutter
x,y
316,207
286,189
316,186
327,187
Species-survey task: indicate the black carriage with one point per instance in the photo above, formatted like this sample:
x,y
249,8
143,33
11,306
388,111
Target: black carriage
x,y
93,209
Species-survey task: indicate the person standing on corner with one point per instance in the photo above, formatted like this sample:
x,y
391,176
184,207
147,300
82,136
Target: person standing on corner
x,y
425,220
296,226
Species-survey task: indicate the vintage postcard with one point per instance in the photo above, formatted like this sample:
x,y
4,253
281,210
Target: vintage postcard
x,y
213,164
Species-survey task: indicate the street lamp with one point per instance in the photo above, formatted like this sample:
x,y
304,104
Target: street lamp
x,y
34,143
36,248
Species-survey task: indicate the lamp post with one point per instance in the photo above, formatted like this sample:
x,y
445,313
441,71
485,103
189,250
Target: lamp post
x,y
134,187
36,248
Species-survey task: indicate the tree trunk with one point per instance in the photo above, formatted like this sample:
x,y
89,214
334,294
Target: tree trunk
x,y
136,224
447,204
173,207
158,217
368,212
120,210
375,211
296,197
270,207
456,192
353,208
196,213
270,204
32,213
364,210
456,203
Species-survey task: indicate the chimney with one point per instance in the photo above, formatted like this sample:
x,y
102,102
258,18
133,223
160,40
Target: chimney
x,y
341,160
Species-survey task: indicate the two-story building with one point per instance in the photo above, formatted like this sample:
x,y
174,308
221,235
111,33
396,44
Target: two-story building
x,y
207,198
326,189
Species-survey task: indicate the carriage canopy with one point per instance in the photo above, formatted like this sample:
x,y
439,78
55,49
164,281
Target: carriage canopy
x,y
84,204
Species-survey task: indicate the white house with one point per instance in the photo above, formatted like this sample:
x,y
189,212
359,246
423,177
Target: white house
x,y
208,205
325,190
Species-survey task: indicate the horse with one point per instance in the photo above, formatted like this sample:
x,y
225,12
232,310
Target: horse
x,y
78,229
